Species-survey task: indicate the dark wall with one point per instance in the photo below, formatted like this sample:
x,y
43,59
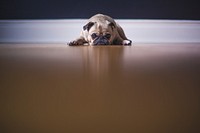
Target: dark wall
x,y
123,9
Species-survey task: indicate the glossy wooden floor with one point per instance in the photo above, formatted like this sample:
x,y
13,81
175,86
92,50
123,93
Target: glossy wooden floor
x,y
144,88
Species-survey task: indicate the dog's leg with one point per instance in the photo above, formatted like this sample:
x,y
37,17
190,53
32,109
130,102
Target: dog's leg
x,y
77,42
120,41
123,39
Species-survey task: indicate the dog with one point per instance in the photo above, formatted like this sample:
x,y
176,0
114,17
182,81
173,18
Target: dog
x,y
101,30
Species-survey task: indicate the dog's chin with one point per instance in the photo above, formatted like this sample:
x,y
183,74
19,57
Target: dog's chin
x,y
100,43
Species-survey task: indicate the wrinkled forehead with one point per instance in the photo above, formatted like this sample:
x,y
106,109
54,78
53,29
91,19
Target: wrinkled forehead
x,y
101,28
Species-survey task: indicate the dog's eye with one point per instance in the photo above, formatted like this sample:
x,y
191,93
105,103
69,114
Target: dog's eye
x,y
94,35
108,36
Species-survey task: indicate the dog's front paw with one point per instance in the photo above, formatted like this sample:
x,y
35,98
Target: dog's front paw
x,y
73,43
127,42
77,42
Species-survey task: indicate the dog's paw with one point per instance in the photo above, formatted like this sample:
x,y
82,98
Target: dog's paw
x,y
77,42
73,43
127,42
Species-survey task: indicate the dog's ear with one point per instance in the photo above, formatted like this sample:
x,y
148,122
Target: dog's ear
x,y
112,25
88,26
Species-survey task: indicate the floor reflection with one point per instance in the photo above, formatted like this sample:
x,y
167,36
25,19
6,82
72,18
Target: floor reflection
x,y
100,61
142,88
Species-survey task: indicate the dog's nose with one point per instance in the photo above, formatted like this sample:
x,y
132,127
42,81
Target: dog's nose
x,y
101,41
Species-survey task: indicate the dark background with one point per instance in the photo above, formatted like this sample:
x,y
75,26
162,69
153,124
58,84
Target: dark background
x,y
121,9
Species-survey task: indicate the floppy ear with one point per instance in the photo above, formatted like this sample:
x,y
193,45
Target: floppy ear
x,y
112,25
88,26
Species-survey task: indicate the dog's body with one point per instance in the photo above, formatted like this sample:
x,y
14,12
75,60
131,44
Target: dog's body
x,y
101,30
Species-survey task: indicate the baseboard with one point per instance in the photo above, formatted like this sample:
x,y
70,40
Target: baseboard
x,y
62,31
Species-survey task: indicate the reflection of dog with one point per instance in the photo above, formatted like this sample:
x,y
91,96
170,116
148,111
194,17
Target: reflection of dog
x,y
104,63
101,30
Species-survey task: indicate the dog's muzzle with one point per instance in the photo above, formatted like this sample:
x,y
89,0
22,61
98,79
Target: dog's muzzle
x,y
101,40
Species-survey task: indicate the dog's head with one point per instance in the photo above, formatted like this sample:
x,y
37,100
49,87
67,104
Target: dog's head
x,y
100,33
